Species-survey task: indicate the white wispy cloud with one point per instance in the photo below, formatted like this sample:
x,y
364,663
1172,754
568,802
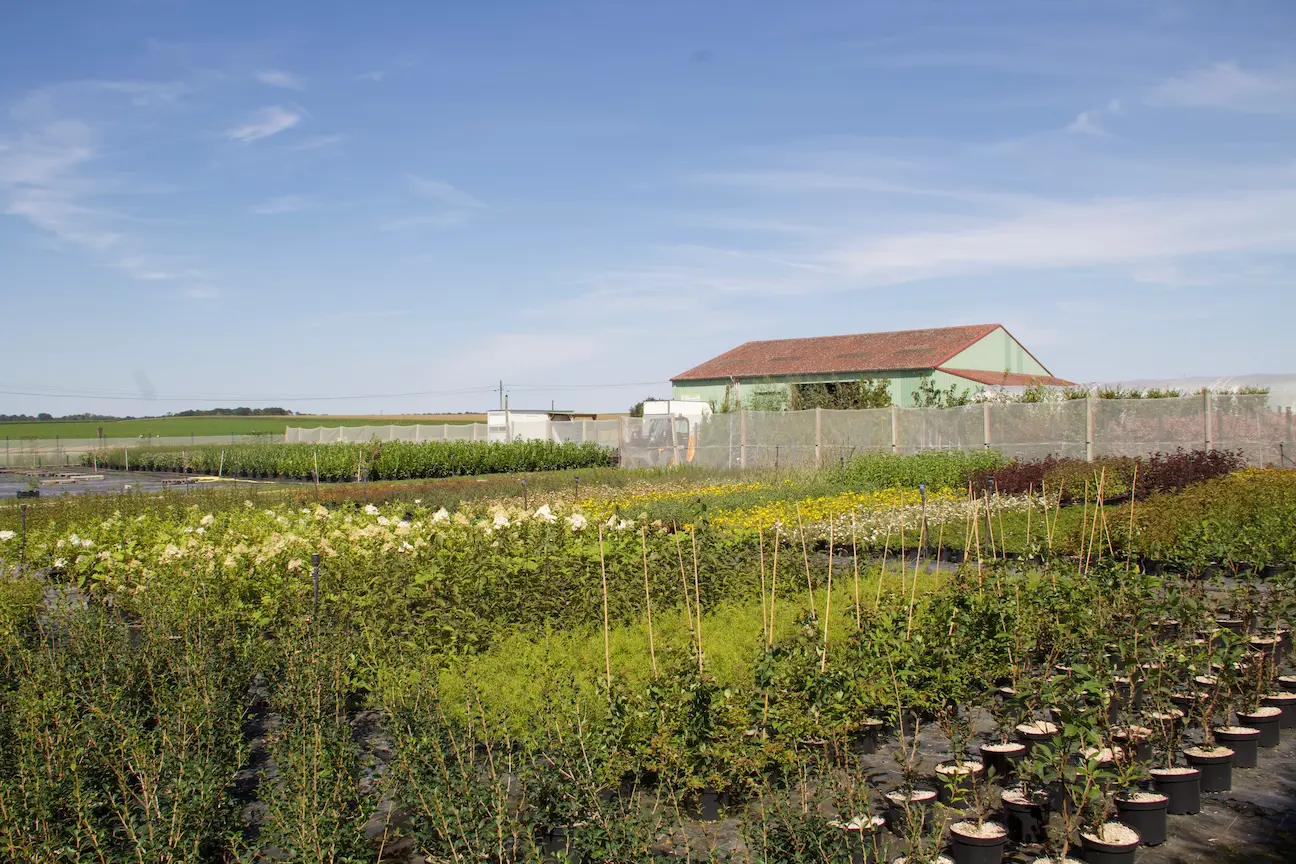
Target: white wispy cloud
x,y
285,204
444,192
200,292
421,220
268,121
1228,86
315,142
279,78
1086,123
1106,232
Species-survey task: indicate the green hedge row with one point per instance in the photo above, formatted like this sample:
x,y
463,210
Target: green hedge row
x,y
949,469
393,460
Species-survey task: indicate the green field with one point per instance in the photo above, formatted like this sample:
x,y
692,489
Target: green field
x,y
181,426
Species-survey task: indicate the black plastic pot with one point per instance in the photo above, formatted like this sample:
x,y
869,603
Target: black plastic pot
x,y
1183,790
1140,746
1216,770
864,741
897,817
1287,683
955,786
27,493
556,842
1098,852
1270,727
1026,823
710,803
1148,818
1002,764
977,850
1285,701
1244,744
1030,739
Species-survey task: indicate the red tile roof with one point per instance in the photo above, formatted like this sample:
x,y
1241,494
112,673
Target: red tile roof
x,y
861,352
1007,379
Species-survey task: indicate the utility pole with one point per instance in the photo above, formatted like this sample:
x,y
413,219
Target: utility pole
x,y
501,394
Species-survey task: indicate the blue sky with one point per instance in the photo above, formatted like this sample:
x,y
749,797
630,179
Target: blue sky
x,y
281,202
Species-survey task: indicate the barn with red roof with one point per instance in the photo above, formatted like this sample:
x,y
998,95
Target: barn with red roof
x,y
973,357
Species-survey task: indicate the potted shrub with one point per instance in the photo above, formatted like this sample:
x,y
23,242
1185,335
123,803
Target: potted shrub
x,y
1267,719
956,777
1106,781
908,803
1001,754
978,840
1213,760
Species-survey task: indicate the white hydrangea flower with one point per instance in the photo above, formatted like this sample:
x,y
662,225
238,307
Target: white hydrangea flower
x,y
418,500
501,520
188,529
86,543
74,540
403,524
576,521
384,521
207,520
371,510
544,514
7,535
60,563
441,515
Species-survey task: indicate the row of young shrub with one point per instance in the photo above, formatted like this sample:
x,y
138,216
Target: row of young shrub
x,y
946,469
393,460
1119,475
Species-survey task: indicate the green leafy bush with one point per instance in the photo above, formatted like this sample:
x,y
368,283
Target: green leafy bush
x,y
392,460
949,469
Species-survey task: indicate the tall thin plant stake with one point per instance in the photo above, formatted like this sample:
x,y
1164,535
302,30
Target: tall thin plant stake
x,y
1030,508
877,601
823,663
607,637
805,555
764,610
1057,514
1084,526
697,592
859,619
688,603
913,591
643,543
773,587
1129,541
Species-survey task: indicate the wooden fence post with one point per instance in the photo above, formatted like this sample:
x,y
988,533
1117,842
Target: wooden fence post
x,y
1206,416
742,446
986,423
1089,428
818,436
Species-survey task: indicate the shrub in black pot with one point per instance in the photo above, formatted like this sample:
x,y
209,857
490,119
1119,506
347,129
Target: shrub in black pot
x,y
1025,816
1215,765
1145,812
1182,786
978,842
1285,702
1243,741
1109,843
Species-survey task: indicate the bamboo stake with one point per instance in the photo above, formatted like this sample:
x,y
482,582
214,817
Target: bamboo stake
x,y
877,601
1003,540
1030,508
1057,514
967,522
764,611
976,537
607,637
773,587
939,542
859,619
688,603
1084,525
1129,542
805,554
697,591
823,662
913,591
990,526
652,650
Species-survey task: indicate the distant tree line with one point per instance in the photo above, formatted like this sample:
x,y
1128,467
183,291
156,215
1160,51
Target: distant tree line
x,y
108,418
